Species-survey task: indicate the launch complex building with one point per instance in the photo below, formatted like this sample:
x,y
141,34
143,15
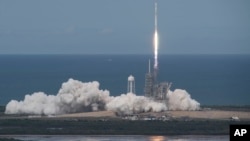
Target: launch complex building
x,y
153,89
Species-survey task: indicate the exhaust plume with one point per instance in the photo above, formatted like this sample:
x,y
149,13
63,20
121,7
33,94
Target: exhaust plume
x,y
130,103
75,96
181,100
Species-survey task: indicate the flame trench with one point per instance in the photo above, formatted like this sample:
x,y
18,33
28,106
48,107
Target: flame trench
x,y
156,40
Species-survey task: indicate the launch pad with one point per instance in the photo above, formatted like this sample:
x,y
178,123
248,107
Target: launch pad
x,y
153,89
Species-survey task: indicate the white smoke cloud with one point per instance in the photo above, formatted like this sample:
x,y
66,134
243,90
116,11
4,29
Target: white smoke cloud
x,y
181,100
76,96
130,103
37,103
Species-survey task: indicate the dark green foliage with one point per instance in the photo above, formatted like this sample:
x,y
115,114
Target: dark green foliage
x,y
8,139
2,109
114,127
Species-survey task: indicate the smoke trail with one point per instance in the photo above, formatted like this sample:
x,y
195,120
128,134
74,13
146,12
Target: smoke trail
x,y
75,96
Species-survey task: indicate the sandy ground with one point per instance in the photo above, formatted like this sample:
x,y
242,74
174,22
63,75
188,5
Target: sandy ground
x,y
89,114
208,114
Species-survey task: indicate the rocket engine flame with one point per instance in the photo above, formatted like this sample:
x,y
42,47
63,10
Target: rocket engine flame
x,y
156,49
156,40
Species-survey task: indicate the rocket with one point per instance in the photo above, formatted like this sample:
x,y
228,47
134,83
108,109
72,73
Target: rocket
x,y
155,15
156,40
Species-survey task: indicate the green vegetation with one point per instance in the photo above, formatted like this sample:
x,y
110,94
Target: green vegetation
x,y
114,127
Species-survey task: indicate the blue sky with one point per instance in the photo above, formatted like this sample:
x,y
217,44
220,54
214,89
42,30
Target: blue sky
x,y
124,26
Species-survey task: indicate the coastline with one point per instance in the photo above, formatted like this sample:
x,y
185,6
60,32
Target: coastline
x,y
215,121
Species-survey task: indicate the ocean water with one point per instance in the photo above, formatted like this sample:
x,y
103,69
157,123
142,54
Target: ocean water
x,y
209,79
123,138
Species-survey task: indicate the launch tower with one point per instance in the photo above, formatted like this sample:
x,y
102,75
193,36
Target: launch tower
x,y
153,89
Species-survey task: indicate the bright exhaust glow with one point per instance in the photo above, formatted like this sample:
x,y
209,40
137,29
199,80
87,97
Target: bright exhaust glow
x,y
156,40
